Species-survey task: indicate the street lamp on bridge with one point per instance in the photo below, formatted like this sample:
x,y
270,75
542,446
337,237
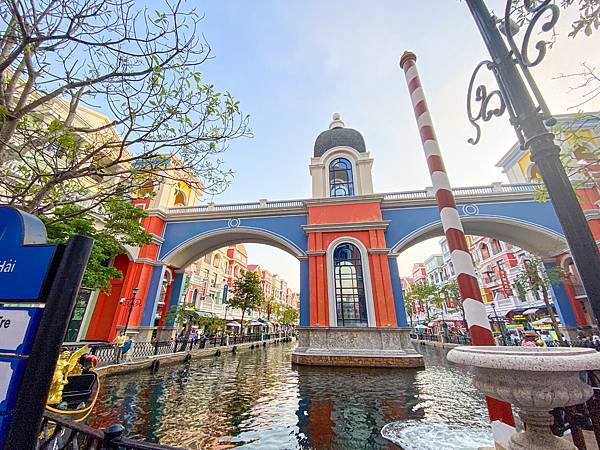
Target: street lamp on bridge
x,y
529,117
131,303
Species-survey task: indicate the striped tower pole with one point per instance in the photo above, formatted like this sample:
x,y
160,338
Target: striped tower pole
x,y
470,294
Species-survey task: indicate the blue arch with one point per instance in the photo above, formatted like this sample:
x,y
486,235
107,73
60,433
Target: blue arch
x,y
281,231
515,221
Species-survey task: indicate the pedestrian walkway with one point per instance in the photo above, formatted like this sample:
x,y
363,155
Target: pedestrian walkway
x,y
142,354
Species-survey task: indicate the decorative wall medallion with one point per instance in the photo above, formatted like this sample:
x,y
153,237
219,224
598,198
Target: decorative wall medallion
x,y
233,223
470,210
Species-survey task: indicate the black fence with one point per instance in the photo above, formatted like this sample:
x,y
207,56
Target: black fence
x,y
449,339
57,433
582,417
111,354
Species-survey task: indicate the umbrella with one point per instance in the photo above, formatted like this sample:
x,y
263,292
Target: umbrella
x,y
422,327
544,321
233,324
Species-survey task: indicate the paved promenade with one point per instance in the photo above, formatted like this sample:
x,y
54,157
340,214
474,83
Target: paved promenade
x,y
145,355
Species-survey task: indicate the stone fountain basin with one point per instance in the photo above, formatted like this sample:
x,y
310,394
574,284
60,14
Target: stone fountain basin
x,y
535,359
540,377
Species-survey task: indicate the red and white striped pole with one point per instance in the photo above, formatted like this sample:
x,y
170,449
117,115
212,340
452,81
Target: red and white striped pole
x,y
470,295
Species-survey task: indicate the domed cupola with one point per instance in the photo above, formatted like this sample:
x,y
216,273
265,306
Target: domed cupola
x,y
341,165
338,135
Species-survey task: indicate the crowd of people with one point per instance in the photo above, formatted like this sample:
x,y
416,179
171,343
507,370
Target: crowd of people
x,y
532,338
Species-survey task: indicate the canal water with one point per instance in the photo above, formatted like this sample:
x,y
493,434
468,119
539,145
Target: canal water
x,y
257,400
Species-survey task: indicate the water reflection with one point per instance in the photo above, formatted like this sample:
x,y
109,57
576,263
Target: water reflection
x,y
256,399
346,408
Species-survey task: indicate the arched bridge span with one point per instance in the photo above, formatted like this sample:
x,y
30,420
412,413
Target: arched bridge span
x,y
506,212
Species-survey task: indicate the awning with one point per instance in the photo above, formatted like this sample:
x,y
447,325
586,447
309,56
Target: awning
x,y
421,327
233,324
544,321
530,311
256,323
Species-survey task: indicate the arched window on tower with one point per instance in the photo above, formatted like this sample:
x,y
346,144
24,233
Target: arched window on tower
x,y
179,199
350,301
341,183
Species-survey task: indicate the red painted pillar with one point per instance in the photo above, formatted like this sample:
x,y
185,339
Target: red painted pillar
x,y
475,313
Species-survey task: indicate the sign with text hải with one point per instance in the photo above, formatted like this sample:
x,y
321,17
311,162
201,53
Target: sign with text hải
x,y
25,258
25,262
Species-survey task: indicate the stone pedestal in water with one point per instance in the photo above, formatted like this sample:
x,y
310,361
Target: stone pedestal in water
x,y
357,347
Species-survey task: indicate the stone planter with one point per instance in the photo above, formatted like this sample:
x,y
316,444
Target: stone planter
x,y
535,381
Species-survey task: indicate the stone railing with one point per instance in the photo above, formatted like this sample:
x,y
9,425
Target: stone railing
x,y
472,191
263,204
226,207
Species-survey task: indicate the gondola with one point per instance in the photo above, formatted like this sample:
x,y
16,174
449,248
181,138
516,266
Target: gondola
x,y
75,386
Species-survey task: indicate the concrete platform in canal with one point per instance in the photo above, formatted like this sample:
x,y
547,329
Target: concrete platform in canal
x,y
356,347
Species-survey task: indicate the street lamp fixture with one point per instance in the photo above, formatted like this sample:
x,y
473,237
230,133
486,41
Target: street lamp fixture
x,y
530,116
132,302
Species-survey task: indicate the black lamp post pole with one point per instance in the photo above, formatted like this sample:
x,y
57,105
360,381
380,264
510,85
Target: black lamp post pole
x,y
500,322
131,305
544,153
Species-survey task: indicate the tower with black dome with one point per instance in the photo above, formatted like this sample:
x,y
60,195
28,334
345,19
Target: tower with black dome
x,y
356,311
341,165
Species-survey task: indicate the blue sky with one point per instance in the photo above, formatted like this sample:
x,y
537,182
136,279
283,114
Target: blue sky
x,y
294,63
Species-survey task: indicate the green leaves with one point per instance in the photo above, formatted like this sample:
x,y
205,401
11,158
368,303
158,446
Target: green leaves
x,y
534,277
287,315
589,17
247,292
121,227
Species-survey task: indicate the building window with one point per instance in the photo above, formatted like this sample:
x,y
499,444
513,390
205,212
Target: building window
x,y
500,265
194,297
485,253
351,306
340,178
495,247
180,199
217,260
83,297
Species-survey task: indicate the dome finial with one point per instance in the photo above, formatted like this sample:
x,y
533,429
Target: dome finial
x,y
336,121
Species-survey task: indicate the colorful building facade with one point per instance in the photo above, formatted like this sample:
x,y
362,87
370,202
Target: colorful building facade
x,y
578,136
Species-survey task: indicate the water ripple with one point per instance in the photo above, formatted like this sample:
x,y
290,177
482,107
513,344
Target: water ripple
x,y
257,400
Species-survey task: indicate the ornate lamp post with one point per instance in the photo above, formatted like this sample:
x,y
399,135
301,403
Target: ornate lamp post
x,y
500,322
529,116
132,302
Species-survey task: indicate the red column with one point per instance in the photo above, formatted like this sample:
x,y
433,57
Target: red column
x,y
475,313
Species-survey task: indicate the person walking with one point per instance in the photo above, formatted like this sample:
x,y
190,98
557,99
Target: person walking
x,y
530,339
596,341
118,343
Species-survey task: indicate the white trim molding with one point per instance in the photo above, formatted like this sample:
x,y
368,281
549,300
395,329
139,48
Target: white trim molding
x,y
347,226
364,256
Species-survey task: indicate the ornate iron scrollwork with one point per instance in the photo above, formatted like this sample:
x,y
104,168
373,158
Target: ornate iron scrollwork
x,y
483,99
540,14
537,11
